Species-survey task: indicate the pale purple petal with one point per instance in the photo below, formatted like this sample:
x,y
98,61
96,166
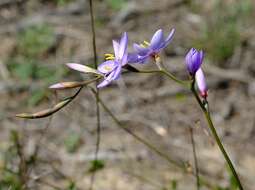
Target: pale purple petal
x,y
143,59
201,82
157,39
115,47
140,50
124,59
117,73
122,46
107,66
103,84
81,68
106,81
132,58
169,38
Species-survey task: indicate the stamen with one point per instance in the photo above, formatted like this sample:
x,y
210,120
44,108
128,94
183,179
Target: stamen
x,y
108,55
142,45
109,58
146,43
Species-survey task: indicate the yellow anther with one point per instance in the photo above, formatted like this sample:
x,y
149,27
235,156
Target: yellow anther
x,y
109,58
146,43
108,55
142,45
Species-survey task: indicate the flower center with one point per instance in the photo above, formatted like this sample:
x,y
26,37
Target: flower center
x,y
109,56
108,68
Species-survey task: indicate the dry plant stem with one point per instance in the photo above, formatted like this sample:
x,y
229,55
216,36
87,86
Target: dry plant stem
x,y
207,114
97,91
195,157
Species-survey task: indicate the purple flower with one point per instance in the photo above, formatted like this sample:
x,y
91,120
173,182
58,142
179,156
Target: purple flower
x,y
201,83
148,50
110,69
194,60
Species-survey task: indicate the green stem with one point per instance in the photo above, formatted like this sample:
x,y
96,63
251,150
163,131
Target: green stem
x,y
168,74
215,135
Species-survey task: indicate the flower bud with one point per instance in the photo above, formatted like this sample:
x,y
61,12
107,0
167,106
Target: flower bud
x,y
194,60
201,83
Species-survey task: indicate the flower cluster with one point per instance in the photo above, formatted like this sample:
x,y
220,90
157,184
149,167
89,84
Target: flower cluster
x,y
110,70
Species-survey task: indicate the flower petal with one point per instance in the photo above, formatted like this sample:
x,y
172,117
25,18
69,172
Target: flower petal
x,y
107,66
115,47
140,50
132,58
197,59
169,38
124,59
157,39
103,84
116,73
82,68
122,46
106,81
201,82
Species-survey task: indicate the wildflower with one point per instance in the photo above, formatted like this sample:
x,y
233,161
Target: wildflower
x,y
194,60
148,50
111,68
201,83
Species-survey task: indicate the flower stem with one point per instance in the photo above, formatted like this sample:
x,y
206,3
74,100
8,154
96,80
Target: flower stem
x,y
207,114
169,75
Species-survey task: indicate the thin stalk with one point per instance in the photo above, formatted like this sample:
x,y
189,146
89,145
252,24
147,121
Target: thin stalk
x,y
195,157
169,75
215,135
92,22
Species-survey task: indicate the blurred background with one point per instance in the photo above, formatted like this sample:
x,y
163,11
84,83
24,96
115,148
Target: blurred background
x,y
37,38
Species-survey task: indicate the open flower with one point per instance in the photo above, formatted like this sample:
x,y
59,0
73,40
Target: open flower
x,y
110,69
151,49
201,83
194,60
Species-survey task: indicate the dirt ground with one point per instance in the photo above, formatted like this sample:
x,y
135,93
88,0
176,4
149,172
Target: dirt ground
x,y
153,107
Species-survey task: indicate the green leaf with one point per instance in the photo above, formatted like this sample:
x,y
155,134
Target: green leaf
x,y
96,165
